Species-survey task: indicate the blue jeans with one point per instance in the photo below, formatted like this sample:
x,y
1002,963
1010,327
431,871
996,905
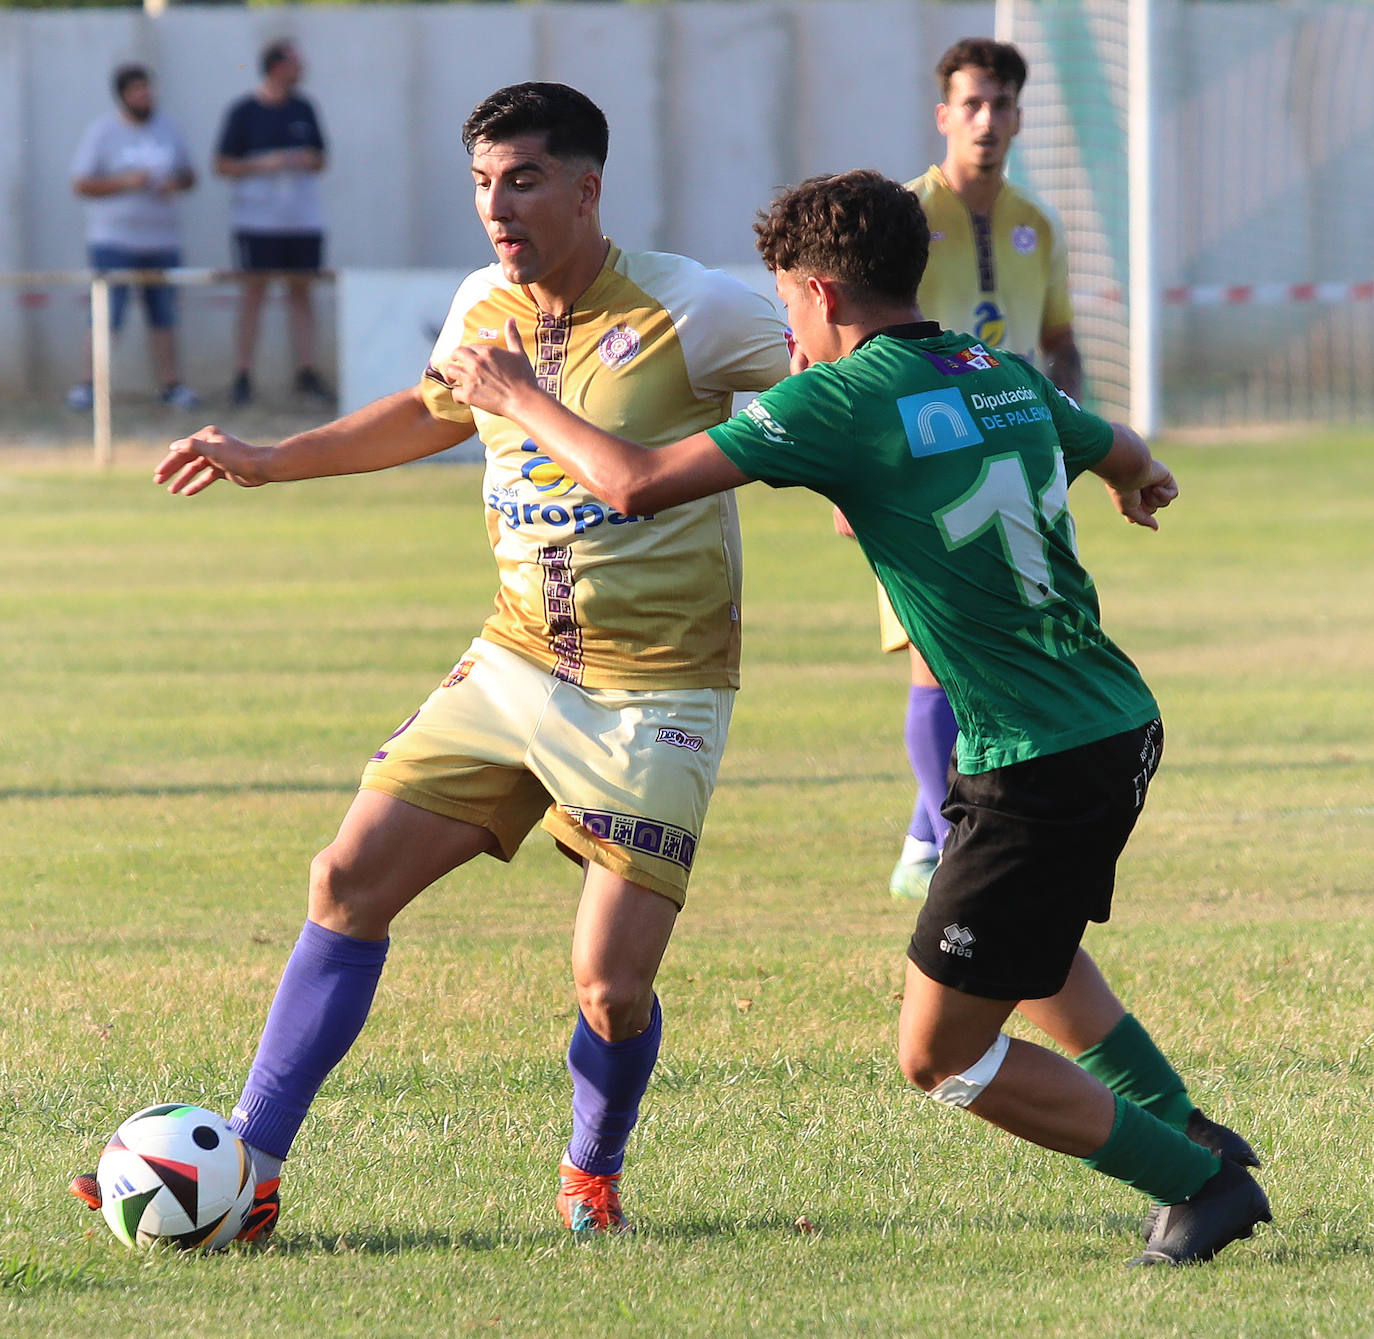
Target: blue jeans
x,y
159,300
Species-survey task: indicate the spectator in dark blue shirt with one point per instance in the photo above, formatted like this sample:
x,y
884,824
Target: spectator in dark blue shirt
x,y
272,149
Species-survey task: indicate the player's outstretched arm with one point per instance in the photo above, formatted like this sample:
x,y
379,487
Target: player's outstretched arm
x,y
389,431
1137,483
634,479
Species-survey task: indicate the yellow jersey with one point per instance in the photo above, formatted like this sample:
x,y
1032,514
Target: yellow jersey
x,y
654,351
1001,277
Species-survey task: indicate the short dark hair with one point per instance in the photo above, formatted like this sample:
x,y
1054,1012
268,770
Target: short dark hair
x,y
574,124
274,53
859,228
129,74
1006,63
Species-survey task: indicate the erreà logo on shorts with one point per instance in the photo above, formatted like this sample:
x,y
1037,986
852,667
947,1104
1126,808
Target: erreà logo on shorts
x,y
936,422
669,734
958,940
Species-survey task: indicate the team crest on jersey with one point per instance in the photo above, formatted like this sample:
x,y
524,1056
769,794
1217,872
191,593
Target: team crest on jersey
x,y
616,347
1024,238
458,673
975,358
485,332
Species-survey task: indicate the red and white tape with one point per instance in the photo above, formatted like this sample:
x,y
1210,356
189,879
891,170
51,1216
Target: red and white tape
x,y
1267,295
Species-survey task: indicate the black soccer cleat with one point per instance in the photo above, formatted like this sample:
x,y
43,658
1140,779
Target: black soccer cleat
x,y
1220,1139
1227,1208
1215,1138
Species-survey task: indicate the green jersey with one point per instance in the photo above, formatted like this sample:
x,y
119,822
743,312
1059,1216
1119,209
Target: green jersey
x,y
952,465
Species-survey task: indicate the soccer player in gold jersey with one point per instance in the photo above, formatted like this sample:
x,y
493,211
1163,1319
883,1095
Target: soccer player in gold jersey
x,y
596,698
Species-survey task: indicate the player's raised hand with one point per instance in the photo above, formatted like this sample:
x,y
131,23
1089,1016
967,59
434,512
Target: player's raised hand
x,y
1140,504
487,377
193,463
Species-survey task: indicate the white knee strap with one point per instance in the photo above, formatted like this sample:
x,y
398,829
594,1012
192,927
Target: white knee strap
x,y
960,1089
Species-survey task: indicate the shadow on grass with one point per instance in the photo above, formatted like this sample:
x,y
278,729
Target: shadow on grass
x,y
183,788
1091,1226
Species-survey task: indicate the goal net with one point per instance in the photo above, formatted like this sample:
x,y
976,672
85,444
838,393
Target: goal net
x,y
1214,167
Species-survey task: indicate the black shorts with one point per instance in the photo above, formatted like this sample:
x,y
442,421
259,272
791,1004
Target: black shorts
x,y
1031,859
278,250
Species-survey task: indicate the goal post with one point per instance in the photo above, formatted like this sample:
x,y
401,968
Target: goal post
x,y
1088,148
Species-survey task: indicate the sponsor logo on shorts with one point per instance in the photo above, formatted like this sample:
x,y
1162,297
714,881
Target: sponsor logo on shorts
x,y
958,940
664,840
459,672
617,347
1024,238
936,422
680,738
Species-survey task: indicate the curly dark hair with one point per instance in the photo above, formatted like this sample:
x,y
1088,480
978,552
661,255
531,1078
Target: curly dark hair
x,y
859,228
574,125
1006,63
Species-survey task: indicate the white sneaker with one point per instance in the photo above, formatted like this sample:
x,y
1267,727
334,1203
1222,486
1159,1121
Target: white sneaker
x,y
177,396
911,874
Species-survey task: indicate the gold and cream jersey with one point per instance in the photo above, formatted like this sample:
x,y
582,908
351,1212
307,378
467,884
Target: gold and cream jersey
x,y
1001,277
654,351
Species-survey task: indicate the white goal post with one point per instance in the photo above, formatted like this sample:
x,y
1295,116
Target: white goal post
x,y
1088,147
1216,208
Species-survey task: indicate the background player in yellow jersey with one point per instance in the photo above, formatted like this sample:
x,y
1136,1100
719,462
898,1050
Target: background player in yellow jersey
x,y
598,695
998,270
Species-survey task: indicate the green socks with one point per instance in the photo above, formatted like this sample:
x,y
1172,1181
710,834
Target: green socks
x,y
1133,1067
1146,1154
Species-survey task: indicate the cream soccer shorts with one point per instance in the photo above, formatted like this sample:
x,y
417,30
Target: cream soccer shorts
x,y
620,778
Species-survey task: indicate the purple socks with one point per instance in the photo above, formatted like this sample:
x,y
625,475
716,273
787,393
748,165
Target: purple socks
x,y
609,1079
320,1007
930,734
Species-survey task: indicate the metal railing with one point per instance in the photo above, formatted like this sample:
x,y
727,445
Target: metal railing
x,y
100,282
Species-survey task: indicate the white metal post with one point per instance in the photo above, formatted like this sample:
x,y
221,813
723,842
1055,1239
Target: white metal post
x,y
1142,132
100,370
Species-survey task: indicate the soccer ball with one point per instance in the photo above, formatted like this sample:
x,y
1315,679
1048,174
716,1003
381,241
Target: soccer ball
x,y
177,1174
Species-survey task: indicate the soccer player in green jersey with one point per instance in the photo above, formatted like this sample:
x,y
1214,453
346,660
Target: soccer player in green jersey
x,y
953,465
998,269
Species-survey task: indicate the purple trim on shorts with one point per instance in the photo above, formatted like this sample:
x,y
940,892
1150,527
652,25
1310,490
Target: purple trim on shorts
x,y
632,833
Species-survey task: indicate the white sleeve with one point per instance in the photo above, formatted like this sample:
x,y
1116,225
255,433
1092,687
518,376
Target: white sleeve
x,y
731,337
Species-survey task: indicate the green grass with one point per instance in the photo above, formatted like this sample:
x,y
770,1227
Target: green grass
x,y
188,690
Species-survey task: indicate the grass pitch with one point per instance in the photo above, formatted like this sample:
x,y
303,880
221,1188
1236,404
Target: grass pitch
x,y
189,690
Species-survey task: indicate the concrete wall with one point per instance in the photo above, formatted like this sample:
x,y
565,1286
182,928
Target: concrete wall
x,y
706,120
1267,142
